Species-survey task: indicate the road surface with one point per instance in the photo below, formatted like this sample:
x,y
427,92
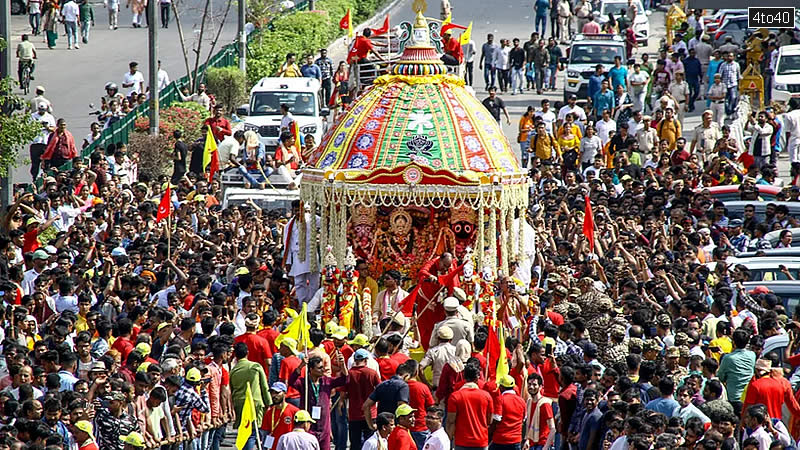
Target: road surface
x,y
75,78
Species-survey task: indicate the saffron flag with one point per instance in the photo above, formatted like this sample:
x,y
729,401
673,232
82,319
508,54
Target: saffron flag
x,y
450,26
466,35
165,207
346,23
406,305
588,223
298,142
383,29
247,425
297,330
210,155
448,19
492,353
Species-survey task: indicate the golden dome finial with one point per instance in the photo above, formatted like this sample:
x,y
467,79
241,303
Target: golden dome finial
x,y
419,6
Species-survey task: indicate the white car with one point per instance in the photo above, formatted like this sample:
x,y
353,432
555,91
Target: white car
x,y
786,81
583,55
263,113
641,24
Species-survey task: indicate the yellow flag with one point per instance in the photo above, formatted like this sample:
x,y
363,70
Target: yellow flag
x,y
449,18
297,330
247,425
209,148
466,35
502,364
349,24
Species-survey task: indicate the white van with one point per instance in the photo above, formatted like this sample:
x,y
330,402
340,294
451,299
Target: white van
x,y
786,81
263,113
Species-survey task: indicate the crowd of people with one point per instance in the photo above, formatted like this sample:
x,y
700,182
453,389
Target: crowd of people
x,y
123,330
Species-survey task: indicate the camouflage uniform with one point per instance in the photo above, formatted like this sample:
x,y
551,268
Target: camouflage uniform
x,y
595,307
619,348
680,372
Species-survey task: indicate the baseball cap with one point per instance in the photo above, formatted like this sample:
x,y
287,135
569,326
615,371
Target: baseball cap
x,y
340,333
506,381
330,327
193,375
98,366
361,354
242,271
143,366
736,223
143,348
278,387
135,439
403,410
359,339
450,304
445,332
761,289
303,416
40,254
117,396
51,250
85,426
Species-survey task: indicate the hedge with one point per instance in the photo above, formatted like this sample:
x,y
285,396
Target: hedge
x,y
302,32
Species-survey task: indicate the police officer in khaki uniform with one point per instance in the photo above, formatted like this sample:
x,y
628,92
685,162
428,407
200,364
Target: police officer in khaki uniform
x,y
461,328
437,357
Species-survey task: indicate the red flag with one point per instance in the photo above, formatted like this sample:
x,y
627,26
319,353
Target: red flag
x,y
451,25
295,130
214,166
407,304
492,352
344,23
383,29
165,206
588,223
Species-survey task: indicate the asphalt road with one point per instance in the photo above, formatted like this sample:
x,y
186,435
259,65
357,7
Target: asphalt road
x,y
75,78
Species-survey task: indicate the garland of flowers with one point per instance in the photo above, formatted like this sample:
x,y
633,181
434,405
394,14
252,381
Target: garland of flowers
x,y
502,244
510,237
366,313
523,220
314,266
323,237
301,222
487,302
481,239
493,238
342,233
330,287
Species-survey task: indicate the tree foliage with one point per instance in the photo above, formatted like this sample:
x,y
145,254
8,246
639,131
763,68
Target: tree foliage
x,y
228,85
17,128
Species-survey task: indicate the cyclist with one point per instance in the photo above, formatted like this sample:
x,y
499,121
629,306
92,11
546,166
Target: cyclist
x,y
26,53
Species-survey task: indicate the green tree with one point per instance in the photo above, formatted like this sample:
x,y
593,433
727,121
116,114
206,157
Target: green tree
x,y
228,86
17,128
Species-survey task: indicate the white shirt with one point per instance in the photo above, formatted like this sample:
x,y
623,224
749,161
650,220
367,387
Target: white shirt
x,y
791,124
136,78
163,76
70,11
438,440
576,110
286,121
640,77
502,58
27,281
604,128
51,122
66,303
469,51
376,442
548,118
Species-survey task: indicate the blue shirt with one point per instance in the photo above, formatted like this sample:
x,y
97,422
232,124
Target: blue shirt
x,y
591,422
713,66
604,101
541,7
595,84
311,71
68,381
618,76
667,406
692,68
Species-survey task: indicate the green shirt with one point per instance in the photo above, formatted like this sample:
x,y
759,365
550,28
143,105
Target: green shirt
x,y
736,370
245,372
87,12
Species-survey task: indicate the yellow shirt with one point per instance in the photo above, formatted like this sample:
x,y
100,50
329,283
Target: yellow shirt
x,y
569,144
724,343
545,146
290,70
80,324
669,130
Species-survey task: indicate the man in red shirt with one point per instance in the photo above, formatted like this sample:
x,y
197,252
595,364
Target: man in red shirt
x,y
401,439
362,47
220,126
385,362
257,347
453,54
567,399
123,343
469,410
289,363
361,381
771,390
82,431
269,332
508,428
542,424
278,417
420,398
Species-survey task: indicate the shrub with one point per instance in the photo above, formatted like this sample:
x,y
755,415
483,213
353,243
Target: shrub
x,y
228,85
155,152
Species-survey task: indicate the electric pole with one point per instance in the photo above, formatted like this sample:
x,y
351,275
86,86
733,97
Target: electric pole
x,y
242,38
5,72
152,45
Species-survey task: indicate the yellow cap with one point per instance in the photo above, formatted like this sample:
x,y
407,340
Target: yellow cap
x,y
143,348
360,339
193,375
340,333
242,271
403,410
506,381
303,416
162,325
290,343
135,439
85,426
330,328
143,366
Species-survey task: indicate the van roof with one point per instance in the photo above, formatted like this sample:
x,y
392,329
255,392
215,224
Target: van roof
x,y
790,49
299,84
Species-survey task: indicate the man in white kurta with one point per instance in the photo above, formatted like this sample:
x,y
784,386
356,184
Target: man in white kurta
x,y
306,283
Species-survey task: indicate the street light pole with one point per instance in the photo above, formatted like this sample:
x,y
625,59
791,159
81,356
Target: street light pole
x,y
5,72
152,46
242,38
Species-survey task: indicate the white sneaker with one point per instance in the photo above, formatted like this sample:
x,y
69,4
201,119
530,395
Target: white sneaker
x,y
69,47
77,46
111,27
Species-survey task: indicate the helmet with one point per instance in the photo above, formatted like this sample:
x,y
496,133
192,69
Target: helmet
x,y
112,86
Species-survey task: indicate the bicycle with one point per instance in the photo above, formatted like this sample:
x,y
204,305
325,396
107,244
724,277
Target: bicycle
x,y
25,78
